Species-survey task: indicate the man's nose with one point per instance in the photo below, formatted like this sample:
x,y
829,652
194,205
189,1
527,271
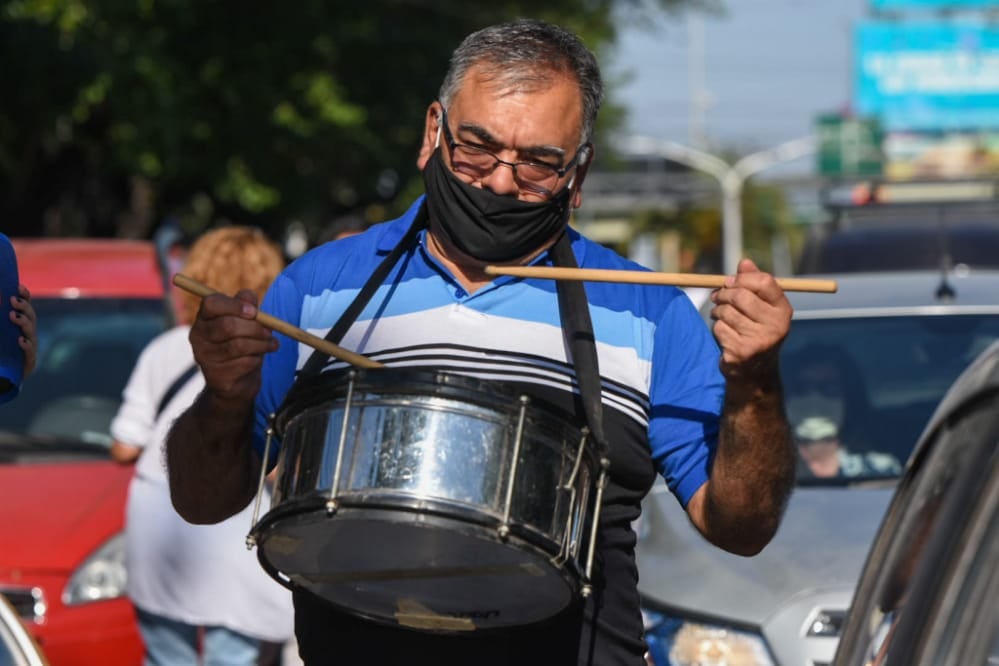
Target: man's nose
x,y
502,180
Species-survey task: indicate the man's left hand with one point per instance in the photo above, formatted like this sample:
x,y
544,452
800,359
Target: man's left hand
x,y
752,317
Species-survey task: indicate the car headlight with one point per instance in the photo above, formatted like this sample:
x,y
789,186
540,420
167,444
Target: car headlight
x,y
676,641
101,576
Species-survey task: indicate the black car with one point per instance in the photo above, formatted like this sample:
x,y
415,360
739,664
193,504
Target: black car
x,y
905,226
929,591
902,246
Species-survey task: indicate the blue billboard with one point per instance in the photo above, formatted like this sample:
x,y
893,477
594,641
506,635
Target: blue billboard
x,y
927,76
932,4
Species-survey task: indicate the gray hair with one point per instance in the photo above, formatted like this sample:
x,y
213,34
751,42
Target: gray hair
x,y
524,54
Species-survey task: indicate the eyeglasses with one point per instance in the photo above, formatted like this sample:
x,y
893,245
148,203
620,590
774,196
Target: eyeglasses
x,y
536,177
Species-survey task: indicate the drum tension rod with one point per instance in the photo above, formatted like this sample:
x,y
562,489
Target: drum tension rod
x,y
332,503
587,589
567,548
504,529
251,539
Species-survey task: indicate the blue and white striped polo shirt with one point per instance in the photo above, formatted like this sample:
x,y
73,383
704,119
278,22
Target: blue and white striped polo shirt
x,y
661,386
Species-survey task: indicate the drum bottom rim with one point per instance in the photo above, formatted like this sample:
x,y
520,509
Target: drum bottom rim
x,y
552,578
405,503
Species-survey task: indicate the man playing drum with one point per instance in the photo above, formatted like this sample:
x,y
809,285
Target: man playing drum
x,y
506,147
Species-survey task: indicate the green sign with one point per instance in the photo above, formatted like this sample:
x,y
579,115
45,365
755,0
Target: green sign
x,y
849,146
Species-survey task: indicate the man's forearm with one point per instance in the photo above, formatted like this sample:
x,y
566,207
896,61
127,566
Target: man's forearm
x,y
753,471
212,467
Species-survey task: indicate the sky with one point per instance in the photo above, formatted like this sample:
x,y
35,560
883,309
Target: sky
x,y
766,69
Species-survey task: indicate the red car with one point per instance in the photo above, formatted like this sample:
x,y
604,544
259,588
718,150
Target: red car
x,y
62,498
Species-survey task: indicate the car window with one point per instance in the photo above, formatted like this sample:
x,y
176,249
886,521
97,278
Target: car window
x,y
920,545
86,351
860,390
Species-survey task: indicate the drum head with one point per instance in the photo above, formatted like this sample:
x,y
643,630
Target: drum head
x,y
419,570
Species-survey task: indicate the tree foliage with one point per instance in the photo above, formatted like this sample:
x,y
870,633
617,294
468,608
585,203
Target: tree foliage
x,y
766,215
117,114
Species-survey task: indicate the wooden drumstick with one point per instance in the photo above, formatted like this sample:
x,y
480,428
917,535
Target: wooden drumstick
x,y
649,277
281,326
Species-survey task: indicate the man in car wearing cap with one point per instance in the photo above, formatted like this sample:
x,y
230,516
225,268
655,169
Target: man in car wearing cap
x,y
823,455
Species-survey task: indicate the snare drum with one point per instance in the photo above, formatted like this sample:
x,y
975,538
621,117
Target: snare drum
x,y
430,500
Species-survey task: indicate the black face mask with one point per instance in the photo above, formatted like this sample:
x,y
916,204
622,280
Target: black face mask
x,y
488,226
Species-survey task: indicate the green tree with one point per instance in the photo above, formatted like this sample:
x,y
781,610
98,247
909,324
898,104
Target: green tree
x,y
766,217
117,114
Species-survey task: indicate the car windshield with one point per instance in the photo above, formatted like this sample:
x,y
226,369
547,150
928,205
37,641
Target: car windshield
x,y
860,390
87,348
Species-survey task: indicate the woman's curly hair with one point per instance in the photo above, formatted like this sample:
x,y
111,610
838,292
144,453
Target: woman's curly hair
x,y
228,259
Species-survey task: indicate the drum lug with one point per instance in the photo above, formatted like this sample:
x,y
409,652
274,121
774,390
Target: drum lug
x,y
503,531
331,506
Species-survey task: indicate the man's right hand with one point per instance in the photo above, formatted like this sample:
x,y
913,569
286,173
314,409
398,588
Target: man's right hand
x,y
229,345
212,466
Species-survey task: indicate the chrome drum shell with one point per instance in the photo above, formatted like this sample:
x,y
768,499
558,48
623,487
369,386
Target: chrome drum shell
x,y
429,500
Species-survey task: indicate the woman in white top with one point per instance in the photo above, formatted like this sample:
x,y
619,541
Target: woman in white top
x,y
201,596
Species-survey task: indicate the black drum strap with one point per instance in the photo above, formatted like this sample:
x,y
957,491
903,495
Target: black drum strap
x,y
318,359
577,327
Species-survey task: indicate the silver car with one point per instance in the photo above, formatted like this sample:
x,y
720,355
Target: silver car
x,y
864,369
17,647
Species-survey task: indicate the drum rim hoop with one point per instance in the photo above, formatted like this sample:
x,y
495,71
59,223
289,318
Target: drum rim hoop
x,y
305,392
316,503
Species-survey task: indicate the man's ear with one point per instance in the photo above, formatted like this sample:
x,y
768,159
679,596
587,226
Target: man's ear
x,y
431,135
581,169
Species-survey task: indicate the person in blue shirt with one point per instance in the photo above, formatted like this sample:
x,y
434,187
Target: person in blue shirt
x,y
14,371
18,335
506,146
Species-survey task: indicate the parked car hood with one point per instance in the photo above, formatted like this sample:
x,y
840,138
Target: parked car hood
x,y
55,514
820,547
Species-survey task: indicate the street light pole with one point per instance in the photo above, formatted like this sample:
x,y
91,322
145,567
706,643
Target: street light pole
x,y
731,178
